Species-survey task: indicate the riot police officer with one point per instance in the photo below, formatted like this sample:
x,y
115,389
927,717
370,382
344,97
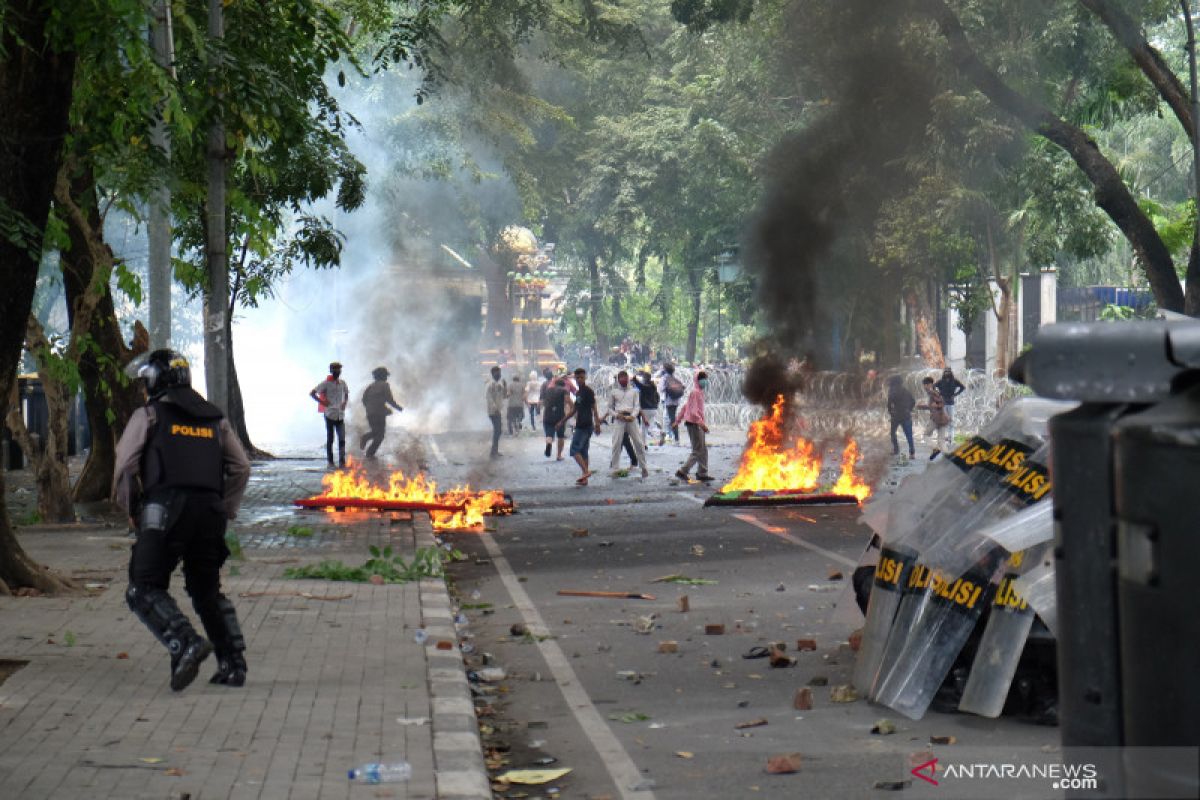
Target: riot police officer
x,y
180,474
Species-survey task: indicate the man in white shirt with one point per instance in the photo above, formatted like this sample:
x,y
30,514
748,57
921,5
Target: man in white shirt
x,y
624,405
332,396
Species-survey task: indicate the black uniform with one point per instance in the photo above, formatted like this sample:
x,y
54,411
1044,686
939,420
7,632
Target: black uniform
x,y
181,515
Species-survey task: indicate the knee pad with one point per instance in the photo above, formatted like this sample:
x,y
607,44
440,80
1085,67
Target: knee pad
x,y
158,611
221,621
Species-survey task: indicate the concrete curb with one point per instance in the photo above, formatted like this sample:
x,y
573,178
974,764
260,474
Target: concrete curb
x,y
459,771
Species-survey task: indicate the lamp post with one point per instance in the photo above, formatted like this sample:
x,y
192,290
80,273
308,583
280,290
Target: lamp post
x,y
728,269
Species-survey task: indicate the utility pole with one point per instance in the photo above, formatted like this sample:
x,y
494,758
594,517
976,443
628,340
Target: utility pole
x,y
216,299
159,223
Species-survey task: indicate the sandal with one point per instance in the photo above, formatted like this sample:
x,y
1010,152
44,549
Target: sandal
x,y
756,652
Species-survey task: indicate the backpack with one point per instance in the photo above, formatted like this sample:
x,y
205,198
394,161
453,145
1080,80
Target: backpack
x,y
649,396
674,387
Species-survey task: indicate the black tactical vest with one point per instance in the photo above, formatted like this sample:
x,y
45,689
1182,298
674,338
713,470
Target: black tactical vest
x,y
182,452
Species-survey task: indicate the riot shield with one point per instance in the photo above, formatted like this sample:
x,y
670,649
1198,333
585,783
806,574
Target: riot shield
x,y
918,516
949,589
1003,639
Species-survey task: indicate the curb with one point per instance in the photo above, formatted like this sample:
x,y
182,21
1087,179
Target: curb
x,y
459,771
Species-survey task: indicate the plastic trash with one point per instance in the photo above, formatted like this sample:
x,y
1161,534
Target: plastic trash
x,y
420,637
395,772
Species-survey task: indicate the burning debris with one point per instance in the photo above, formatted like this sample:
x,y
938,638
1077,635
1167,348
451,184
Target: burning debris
x,y
459,509
781,467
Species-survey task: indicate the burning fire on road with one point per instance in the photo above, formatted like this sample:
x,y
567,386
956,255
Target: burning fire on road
x,y
459,509
780,466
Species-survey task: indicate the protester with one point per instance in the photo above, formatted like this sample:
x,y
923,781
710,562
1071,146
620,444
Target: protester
x,y
332,396
180,475
900,404
649,401
533,396
939,421
692,416
587,421
495,394
516,405
376,399
554,410
671,391
949,387
625,408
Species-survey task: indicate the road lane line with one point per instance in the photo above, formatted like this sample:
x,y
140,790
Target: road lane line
x,y
775,530
620,766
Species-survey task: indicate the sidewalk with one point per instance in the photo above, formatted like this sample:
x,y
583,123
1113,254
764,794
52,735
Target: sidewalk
x,y
336,678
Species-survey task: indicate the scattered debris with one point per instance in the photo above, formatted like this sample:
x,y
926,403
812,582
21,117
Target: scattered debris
x,y
579,533
784,765
518,629
629,716
174,772
532,777
618,595
684,580
631,675
835,575
779,659
803,701
814,587
683,604
417,721
754,723
668,647
844,693
942,740
697,549
684,754
883,727
714,629
489,674
122,655
818,680
892,786
645,624
856,640
806,644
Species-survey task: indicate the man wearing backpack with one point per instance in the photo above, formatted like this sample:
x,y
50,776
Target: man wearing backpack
x,y
672,392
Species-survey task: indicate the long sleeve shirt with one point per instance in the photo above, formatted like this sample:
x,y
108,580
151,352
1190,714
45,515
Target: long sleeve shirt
x,y
127,485
496,393
693,408
624,401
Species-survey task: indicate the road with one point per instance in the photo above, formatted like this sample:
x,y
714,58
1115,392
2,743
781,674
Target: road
x,y
585,688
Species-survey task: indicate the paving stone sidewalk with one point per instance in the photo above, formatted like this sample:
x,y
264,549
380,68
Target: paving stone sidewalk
x,y
336,677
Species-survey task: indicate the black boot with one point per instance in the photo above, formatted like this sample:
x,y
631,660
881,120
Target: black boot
x,y
185,666
158,611
231,670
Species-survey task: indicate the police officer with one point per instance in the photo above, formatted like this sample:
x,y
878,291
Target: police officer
x,y
180,474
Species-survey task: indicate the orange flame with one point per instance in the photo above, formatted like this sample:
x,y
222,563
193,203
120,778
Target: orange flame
x,y
352,482
773,460
848,482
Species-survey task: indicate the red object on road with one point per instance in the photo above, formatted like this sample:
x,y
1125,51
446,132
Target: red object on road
x,y
339,503
780,497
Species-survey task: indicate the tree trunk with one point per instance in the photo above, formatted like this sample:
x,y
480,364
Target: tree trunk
x,y
106,390
35,93
693,326
48,458
596,307
929,344
216,244
1111,193
237,410
1004,323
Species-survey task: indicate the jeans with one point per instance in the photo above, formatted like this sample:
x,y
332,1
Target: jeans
x,y
699,454
580,441
906,426
337,426
495,418
533,412
671,409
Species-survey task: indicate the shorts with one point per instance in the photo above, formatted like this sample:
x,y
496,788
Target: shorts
x,y
552,430
580,441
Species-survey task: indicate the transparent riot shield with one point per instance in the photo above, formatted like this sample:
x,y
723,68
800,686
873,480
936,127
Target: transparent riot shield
x,y
1003,640
948,590
926,505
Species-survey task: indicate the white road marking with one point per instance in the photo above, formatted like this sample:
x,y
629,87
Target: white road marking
x,y
774,530
620,766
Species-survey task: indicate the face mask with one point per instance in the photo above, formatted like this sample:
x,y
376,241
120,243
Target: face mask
x,y
703,383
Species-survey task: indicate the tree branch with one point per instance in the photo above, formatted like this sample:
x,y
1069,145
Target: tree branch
x,y
1111,193
101,257
1148,59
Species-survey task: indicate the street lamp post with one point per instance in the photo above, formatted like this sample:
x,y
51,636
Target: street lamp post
x,y
728,269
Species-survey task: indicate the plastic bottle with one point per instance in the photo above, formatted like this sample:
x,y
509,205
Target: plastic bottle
x,y
395,772
420,637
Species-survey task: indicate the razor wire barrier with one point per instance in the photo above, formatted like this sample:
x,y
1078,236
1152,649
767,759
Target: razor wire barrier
x,y
834,403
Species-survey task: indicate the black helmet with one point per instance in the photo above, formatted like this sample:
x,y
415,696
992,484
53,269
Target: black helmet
x,y
165,369
380,373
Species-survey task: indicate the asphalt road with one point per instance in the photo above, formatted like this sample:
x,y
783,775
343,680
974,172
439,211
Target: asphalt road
x,y
587,689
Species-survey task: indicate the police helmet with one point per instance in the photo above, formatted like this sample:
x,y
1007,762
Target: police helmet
x,y
165,369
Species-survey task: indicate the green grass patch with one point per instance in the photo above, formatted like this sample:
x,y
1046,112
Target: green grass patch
x,y
427,562
300,532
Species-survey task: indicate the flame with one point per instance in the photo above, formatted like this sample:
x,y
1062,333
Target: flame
x,y
848,482
353,482
773,460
